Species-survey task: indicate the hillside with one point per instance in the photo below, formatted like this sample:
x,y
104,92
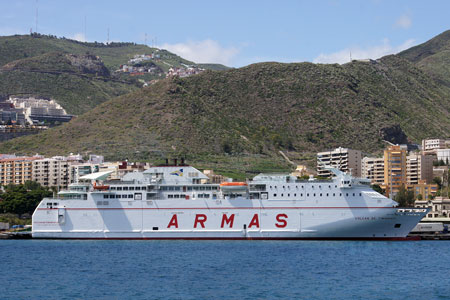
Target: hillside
x,y
238,120
77,82
78,75
433,57
113,54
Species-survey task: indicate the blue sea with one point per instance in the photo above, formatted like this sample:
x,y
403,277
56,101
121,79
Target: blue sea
x,y
57,269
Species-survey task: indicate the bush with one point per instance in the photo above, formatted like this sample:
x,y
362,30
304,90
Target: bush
x,y
23,198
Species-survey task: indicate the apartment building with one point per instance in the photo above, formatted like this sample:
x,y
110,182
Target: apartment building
x,y
440,209
76,170
419,167
426,190
51,172
394,169
347,160
433,144
373,169
16,170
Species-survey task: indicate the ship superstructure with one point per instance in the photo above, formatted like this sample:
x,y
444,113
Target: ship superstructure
x,y
177,202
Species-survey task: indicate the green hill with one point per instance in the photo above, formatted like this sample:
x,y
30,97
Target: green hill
x,y
238,120
113,54
77,82
433,57
77,75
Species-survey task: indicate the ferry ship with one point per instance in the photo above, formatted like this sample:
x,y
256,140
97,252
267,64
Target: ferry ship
x,y
177,202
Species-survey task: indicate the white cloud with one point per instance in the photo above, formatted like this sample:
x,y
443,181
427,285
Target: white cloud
x,y
207,51
357,52
404,22
78,37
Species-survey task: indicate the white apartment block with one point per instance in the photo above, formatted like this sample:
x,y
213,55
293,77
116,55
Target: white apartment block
x,y
432,144
76,170
51,172
341,158
419,167
373,169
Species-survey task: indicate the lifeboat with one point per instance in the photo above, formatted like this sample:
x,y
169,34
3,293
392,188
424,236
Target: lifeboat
x,y
233,186
100,187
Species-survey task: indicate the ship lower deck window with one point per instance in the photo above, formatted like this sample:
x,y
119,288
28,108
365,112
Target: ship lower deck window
x,y
346,194
397,225
320,194
334,194
125,188
353,194
119,188
274,195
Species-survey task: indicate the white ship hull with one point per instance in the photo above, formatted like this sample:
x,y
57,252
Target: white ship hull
x,y
222,221
172,203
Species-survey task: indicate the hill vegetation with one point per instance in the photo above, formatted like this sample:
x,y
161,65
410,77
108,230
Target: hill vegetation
x,y
237,121
433,57
78,75
77,82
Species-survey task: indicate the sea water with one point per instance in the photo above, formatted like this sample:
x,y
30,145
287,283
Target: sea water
x,y
62,269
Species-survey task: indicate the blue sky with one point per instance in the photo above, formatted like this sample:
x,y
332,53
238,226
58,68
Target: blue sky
x,y
237,33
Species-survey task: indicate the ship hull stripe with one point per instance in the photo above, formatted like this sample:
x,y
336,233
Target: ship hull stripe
x,y
209,208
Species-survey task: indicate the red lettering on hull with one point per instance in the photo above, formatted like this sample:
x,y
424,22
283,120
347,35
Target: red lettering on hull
x,y
173,221
200,219
282,223
229,221
254,221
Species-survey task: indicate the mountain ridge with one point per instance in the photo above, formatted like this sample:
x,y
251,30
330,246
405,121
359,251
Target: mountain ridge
x,y
238,120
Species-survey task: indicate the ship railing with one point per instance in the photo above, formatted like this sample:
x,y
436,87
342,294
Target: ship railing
x,y
315,180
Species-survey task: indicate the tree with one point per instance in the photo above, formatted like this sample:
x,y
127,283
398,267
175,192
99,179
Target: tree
x,y
377,188
404,198
438,181
22,198
419,197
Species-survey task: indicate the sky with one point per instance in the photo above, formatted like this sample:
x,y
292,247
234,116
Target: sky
x,y
238,33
